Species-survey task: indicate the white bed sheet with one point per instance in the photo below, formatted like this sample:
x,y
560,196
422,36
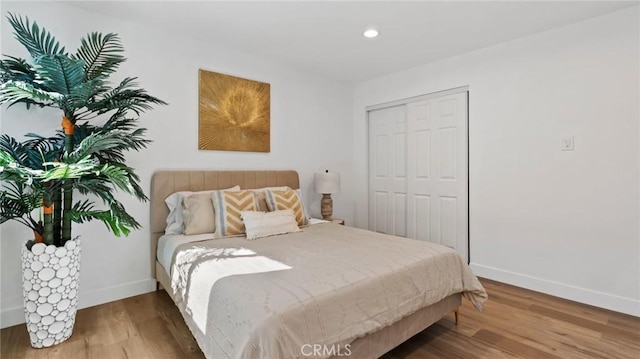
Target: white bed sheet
x,y
168,243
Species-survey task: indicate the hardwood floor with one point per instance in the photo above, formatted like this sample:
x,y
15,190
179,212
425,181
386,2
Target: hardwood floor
x,y
516,323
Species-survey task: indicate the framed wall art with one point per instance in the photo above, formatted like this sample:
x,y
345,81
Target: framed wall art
x,y
233,113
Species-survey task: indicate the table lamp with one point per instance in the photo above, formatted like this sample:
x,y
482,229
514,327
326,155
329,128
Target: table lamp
x,y
327,183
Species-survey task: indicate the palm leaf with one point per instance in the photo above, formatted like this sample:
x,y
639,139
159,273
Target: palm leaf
x,y
132,137
14,92
46,145
115,218
118,176
14,209
137,190
17,202
97,142
93,185
113,154
38,41
64,170
11,170
83,93
16,150
125,97
16,69
41,150
102,54
60,73
33,152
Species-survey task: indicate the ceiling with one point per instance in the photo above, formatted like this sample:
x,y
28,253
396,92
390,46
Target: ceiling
x,y
325,37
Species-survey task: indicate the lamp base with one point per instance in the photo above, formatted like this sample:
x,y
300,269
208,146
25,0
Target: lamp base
x,y
326,206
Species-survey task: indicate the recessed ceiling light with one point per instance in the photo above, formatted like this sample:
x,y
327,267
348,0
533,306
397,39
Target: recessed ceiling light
x,y
371,33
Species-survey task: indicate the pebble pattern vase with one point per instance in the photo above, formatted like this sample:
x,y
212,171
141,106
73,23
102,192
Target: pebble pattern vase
x,y
50,288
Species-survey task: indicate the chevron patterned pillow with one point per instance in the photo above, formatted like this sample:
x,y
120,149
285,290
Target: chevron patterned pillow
x,y
228,206
287,199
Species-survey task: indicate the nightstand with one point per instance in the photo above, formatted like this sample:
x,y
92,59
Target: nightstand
x,y
338,221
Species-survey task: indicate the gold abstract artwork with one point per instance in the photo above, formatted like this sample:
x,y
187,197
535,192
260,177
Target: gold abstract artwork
x,y
234,113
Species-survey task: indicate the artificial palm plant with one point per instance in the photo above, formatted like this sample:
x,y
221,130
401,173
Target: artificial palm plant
x,y
99,124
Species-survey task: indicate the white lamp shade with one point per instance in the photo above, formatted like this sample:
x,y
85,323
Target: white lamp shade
x,y
327,182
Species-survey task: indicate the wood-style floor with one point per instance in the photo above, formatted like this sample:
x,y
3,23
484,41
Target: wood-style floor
x,y
516,323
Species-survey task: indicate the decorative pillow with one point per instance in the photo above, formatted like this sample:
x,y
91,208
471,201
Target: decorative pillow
x,y
175,220
262,199
304,206
227,206
197,211
287,199
265,224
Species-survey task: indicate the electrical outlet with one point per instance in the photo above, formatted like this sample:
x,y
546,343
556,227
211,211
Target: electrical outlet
x,y
567,143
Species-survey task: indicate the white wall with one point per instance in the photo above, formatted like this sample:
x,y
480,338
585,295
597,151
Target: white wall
x,y
564,223
308,133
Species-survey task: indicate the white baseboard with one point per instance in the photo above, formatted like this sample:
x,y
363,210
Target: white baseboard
x,y
562,290
14,316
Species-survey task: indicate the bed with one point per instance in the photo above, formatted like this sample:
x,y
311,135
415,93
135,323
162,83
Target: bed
x,y
313,316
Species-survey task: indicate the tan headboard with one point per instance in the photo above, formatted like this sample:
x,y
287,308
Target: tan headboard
x,y
164,183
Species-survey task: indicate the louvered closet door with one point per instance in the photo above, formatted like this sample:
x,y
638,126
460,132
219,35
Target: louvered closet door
x,y
437,186
388,171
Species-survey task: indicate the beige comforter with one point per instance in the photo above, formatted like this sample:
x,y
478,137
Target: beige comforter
x,y
329,284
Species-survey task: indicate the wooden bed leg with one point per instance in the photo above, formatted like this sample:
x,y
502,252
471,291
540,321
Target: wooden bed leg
x,y
158,288
455,313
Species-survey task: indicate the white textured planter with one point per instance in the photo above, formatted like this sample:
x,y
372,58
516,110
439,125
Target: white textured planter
x,y
50,289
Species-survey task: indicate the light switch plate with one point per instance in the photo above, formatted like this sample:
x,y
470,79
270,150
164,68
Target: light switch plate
x,y
567,143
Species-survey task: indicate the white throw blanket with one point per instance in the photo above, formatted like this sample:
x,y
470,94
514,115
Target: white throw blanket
x,y
329,284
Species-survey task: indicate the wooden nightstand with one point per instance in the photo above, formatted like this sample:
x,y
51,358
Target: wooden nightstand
x,y
338,221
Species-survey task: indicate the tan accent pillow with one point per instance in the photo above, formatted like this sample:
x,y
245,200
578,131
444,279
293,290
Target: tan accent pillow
x,y
265,224
227,206
287,199
175,220
197,211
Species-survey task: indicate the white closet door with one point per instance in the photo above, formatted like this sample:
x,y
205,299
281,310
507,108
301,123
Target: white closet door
x,y
437,186
388,170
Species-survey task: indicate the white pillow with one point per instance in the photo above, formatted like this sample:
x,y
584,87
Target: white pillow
x,y
265,224
175,220
280,188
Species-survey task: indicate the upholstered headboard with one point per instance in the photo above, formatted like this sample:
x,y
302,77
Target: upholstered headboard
x,y
164,183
